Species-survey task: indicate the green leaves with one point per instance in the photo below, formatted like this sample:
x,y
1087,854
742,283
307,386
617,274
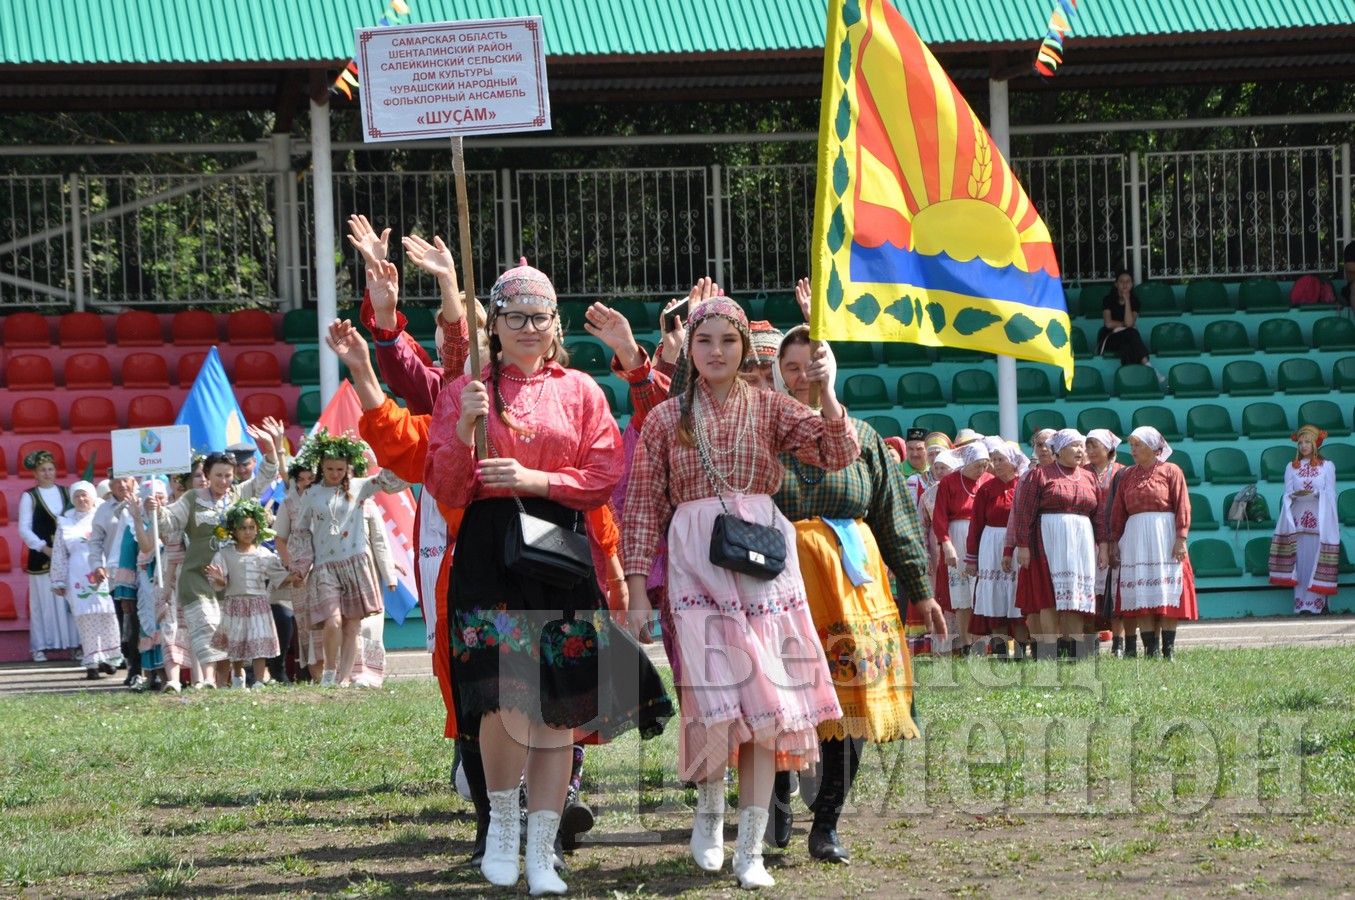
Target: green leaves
x,y
844,60
1057,334
834,290
1020,329
841,174
843,122
937,313
837,230
851,13
970,320
866,308
901,309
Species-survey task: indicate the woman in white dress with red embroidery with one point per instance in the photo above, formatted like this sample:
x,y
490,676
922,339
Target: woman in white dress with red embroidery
x,y
1306,548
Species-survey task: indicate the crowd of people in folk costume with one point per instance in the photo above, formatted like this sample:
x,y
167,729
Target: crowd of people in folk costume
x,y
788,653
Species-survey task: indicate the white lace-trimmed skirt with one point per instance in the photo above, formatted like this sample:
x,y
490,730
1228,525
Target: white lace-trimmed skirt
x,y
1070,551
1149,577
247,631
961,585
994,589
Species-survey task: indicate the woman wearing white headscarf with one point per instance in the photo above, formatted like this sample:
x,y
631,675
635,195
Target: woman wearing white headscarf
x,y
1101,461
91,602
1055,520
1149,522
995,610
950,523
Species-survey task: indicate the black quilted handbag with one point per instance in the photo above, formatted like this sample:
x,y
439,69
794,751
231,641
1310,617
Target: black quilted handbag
x,y
543,551
747,547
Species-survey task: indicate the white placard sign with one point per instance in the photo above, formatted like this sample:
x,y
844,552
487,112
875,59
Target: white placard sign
x,y
450,78
164,450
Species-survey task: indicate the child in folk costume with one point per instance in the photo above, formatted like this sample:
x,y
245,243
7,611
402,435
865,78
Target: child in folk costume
x,y
712,449
309,643
89,598
330,546
1149,524
951,514
369,663
50,626
987,559
1306,548
245,572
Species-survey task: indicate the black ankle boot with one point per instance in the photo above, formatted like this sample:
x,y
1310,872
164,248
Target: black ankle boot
x,y
1117,647
1131,646
576,819
1150,644
1168,643
1065,649
782,818
825,846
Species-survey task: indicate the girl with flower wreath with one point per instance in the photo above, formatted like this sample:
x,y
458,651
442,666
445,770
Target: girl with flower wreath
x,y
716,446
330,546
1306,548
246,572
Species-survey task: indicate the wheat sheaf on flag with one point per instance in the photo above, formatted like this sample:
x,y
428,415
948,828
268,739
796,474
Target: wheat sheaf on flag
x,y
922,233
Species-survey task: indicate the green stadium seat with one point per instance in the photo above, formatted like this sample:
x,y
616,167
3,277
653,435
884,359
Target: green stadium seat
x,y
1173,339
1191,380
1036,419
1100,417
961,355
1210,422
1201,514
1159,417
1137,382
1274,460
1256,557
1228,465
641,315
937,422
1261,295
1182,461
1343,563
421,322
1090,297
1265,420
1280,336
855,355
885,426
1081,349
304,367
1265,523
571,316
920,389
1342,456
1345,506
782,311
1032,386
301,326
1207,297
1325,415
897,353
1213,558
985,422
1156,299
308,408
1343,375
1226,338
1246,378
973,386
1301,376
1088,385
1334,333
866,392
589,356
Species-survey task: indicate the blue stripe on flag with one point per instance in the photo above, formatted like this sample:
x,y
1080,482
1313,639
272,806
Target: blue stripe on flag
x,y
892,265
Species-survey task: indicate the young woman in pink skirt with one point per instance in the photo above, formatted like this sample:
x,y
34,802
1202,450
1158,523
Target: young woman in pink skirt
x,y
755,682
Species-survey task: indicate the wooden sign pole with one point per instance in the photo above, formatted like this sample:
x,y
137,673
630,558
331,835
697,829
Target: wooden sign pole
x,y
468,280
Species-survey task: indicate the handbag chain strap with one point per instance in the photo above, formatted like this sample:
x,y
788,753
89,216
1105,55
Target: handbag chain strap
x,y
494,453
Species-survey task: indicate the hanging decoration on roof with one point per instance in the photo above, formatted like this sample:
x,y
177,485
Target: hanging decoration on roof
x,y
347,81
1050,54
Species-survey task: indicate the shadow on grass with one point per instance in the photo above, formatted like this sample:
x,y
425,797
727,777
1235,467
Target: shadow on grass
x,y
291,795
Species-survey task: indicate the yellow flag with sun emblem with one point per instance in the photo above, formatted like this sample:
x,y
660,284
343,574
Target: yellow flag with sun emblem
x,y
922,233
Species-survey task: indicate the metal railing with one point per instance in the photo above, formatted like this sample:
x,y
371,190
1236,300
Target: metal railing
x,y
35,272
1083,201
768,226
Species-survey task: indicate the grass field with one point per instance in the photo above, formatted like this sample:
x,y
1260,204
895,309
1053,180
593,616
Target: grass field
x,y
1224,772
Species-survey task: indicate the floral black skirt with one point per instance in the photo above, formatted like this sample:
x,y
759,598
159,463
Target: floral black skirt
x,y
554,654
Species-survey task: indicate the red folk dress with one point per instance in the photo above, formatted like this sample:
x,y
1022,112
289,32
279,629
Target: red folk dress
x,y
1150,511
950,519
994,589
1045,517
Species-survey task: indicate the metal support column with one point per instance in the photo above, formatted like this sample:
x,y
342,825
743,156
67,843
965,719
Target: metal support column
x,y
999,126
1135,217
77,245
510,243
322,209
717,204
280,162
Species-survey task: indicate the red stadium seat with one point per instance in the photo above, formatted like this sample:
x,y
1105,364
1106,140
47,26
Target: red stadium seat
x,y
256,368
6,564
29,372
93,414
138,328
98,449
258,406
58,454
4,473
149,410
145,370
250,326
35,415
7,608
27,329
189,364
193,328
88,370
4,501
81,329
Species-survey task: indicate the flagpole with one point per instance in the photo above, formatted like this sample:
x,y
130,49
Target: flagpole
x,y
999,127
468,279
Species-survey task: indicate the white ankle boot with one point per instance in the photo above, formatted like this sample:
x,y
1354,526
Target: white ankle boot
x,y
541,877
500,865
708,829
748,852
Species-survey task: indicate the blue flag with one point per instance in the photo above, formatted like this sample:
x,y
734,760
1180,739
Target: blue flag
x,y
210,410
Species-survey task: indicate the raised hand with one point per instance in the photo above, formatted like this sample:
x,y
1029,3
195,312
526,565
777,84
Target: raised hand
x,y
383,286
613,329
676,337
276,429
802,295
262,439
348,345
363,236
434,258
214,573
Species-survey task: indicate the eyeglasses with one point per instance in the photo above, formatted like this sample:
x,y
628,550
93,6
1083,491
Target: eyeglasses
x,y
516,321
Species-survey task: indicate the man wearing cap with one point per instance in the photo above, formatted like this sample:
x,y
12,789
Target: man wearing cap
x,y
757,369
915,462
244,456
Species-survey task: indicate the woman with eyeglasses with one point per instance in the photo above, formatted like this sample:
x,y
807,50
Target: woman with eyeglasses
x,y
526,654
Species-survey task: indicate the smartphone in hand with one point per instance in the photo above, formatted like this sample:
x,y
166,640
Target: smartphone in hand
x,y
670,318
